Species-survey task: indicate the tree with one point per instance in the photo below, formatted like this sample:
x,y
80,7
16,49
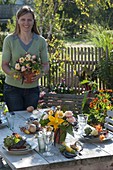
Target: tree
x,y
100,36
49,24
48,17
7,1
71,18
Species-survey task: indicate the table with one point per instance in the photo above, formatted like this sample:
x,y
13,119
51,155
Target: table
x,y
95,156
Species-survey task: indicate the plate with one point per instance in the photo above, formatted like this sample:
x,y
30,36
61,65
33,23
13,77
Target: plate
x,y
69,155
96,139
4,123
77,152
29,147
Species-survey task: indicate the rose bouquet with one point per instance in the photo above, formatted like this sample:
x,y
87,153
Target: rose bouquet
x,y
61,122
27,65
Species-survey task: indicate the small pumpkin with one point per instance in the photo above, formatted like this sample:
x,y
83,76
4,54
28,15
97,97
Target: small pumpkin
x,y
30,108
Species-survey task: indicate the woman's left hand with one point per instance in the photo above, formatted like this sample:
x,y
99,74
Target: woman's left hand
x,y
30,78
35,77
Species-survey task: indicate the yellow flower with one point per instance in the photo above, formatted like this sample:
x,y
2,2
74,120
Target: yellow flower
x,y
21,60
55,121
51,112
28,57
108,107
16,76
60,113
37,72
28,65
75,72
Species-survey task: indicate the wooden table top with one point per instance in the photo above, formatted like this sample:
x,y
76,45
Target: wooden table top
x,y
94,156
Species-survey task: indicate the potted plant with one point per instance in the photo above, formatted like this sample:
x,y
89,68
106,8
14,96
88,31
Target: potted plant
x,y
99,105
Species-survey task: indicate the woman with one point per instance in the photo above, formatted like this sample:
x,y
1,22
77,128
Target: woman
x,y
18,92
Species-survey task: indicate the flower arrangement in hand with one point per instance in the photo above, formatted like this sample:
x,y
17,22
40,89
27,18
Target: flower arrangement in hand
x,y
62,122
28,64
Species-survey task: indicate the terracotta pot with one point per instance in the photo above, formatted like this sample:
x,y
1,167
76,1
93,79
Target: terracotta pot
x,y
27,76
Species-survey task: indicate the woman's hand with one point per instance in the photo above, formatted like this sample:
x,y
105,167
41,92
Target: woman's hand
x,y
30,78
36,77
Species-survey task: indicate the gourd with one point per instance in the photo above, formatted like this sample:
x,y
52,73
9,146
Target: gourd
x,y
68,149
94,132
88,131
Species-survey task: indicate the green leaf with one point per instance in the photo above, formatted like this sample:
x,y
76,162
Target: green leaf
x,y
69,130
84,99
62,137
84,82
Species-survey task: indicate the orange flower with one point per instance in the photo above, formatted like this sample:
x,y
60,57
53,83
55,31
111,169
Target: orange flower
x,y
105,100
109,90
98,106
98,128
17,135
102,137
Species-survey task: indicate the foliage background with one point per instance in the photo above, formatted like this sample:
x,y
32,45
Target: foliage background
x,y
69,18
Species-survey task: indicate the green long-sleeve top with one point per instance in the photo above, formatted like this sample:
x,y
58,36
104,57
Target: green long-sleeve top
x,y
13,50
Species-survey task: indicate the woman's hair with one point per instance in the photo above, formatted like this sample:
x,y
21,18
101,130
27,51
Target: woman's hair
x,y
22,11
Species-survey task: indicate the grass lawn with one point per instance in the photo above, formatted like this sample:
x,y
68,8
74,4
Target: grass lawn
x,y
77,41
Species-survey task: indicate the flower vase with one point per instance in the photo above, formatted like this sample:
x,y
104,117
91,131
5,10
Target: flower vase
x,y
59,136
27,76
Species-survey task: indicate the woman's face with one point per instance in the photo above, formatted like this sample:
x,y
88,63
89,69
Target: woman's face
x,y
26,22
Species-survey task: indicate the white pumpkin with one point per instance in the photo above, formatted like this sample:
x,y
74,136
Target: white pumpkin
x,y
32,128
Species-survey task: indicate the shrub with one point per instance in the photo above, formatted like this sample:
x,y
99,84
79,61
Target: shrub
x,y
2,80
2,36
101,101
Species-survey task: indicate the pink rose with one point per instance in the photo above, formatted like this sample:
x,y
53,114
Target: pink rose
x,y
71,119
68,113
33,57
23,68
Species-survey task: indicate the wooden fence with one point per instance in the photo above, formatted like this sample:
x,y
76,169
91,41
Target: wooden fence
x,y
75,60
